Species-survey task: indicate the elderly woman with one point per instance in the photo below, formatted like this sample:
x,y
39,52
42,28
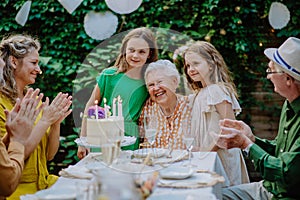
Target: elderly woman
x,y
162,79
21,57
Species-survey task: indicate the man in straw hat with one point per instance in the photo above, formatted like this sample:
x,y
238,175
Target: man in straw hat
x,y
278,161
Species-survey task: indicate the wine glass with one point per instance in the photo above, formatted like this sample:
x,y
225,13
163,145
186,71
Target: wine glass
x,y
150,127
188,139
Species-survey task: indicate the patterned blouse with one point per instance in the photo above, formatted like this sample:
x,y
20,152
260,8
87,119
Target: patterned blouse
x,y
169,127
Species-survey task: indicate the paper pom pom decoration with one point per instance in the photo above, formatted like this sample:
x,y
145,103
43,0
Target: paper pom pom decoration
x,y
100,26
22,15
279,15
123,6
70,5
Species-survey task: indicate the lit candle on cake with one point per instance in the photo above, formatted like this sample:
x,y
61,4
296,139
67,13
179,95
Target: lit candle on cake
x,y
105,107
119,106
96,108
114,107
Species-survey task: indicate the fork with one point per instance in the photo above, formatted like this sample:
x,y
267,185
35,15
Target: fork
x,y
170,153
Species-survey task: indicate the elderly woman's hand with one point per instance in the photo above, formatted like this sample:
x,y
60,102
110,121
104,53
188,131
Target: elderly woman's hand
x,y
58,110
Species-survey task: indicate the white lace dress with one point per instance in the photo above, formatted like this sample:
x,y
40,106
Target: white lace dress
x,y
205,121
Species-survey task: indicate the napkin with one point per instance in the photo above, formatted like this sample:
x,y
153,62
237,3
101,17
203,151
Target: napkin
x,y
76,172
29,197
177,156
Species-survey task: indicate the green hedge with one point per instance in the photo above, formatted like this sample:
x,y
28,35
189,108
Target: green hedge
x,y
239,29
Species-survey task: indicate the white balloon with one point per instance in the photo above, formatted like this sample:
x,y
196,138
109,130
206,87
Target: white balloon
x,y
123,6
70,5
22,15
100,25
279,15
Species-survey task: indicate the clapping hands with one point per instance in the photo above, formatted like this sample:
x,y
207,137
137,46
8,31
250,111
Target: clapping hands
x,y
58,110
20,119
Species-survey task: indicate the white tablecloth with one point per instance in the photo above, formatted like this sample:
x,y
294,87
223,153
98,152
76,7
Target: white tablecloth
x,y
203,160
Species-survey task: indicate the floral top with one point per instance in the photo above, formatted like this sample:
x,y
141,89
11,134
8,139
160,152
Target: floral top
x,y
169,127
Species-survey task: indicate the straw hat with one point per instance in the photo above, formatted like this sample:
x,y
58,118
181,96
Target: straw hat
x,y
287,56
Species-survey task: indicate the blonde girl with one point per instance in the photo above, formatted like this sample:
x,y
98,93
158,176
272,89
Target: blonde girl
x,y
215,98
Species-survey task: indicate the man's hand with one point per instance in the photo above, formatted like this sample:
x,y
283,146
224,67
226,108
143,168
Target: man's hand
x,y
234,134
239,125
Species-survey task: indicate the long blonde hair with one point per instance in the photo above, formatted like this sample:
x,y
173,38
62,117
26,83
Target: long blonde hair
x,y
220,73
143,33
17,46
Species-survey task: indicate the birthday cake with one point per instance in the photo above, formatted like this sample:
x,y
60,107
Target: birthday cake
x,y
103,129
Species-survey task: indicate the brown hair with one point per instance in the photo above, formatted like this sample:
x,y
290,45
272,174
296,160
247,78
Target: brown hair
x,y
143,33
220,73
17,46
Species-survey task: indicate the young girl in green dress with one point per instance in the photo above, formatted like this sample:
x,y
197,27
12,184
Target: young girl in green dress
x,y
125,79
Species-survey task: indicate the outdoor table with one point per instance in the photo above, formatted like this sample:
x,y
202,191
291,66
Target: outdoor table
x,y
206,161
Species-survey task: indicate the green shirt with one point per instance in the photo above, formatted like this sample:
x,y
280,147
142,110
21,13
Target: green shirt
x,y
279,160
133,93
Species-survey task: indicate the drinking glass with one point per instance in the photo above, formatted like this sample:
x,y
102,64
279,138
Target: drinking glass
x,y
111,147
150,127
188,139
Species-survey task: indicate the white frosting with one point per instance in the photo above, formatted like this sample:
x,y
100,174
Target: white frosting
x,y
100,131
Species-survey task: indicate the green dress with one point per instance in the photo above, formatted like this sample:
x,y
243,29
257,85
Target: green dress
x,y
133,93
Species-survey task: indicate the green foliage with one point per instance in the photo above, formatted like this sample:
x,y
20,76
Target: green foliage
x,y
239,30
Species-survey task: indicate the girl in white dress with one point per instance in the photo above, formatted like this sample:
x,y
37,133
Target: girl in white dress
x,y
215,98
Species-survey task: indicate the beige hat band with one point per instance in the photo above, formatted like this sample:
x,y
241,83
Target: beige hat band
x,y
281,61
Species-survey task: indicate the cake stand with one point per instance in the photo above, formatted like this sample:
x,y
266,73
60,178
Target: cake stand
x,y
82,141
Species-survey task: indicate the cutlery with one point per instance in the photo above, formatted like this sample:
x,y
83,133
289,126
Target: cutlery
x,y
170,153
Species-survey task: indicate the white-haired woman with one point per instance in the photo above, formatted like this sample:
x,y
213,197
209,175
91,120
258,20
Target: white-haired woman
x,y
162,79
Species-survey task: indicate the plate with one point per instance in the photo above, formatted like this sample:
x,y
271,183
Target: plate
x,y
57,194
200,179
82,141
176,172
142,153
